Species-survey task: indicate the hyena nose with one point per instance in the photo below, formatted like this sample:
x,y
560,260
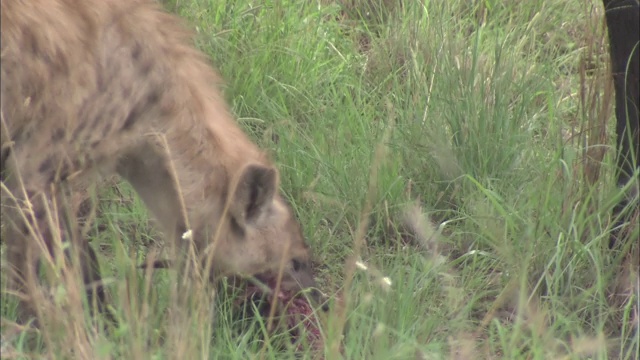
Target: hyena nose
x,y
303,276
325,307
320,299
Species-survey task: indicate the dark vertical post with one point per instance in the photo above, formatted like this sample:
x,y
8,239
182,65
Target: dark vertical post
x,y
624,34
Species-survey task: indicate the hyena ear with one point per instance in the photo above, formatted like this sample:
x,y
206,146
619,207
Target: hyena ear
x,y
256,188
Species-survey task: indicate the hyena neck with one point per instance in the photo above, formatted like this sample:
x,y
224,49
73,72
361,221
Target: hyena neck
x,y
207,151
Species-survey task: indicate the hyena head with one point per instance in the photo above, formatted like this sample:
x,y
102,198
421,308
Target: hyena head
x,y
261,237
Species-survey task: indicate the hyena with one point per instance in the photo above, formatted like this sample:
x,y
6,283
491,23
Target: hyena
x,y
116,87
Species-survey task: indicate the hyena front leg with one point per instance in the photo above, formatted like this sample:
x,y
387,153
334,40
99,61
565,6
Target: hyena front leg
x,y
148,170
146,167
22,255
38,226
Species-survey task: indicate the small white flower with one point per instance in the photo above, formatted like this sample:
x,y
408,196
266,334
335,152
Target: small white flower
x,y
386,283
379,330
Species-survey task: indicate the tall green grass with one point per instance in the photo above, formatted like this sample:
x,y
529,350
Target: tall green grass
x,y
491,116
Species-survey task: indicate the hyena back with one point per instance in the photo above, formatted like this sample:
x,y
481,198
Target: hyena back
x,y
115,86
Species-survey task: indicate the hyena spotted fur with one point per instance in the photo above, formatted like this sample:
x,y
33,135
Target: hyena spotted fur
x,y
115,87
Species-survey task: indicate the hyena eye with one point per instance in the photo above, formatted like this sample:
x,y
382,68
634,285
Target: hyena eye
x,y
297,264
